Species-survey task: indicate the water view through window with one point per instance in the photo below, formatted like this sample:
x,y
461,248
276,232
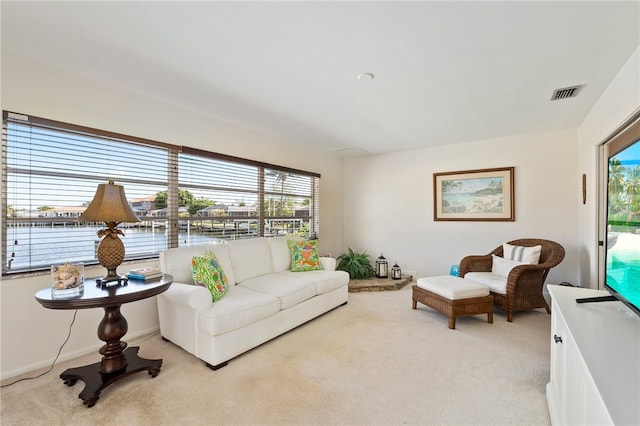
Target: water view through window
x,y
83,243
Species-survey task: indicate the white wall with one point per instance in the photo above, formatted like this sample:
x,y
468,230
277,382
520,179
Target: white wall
x,y
31,334
389,202
619,102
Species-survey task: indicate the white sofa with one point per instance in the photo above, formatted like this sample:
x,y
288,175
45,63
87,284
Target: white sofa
x,y
267,300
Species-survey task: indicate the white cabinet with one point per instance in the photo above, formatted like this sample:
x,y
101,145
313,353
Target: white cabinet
x,y
595,361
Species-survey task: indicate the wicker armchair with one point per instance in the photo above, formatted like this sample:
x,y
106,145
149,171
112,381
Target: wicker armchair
x,y
525,282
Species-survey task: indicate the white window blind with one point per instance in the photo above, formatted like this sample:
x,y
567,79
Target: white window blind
x,y
290,204
225,197
236,198
51,175
183,196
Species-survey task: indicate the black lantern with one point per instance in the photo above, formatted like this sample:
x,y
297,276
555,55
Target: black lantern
x,y
382,267
396,273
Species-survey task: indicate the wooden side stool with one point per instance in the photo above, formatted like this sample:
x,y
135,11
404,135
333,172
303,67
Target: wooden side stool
x,y
453,297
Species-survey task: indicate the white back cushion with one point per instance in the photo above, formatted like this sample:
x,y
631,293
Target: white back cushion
x,y
280,253
250,258
328,263
177,261
522,254
502,267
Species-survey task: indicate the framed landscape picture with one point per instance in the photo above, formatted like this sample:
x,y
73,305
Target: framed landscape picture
x,y
481,195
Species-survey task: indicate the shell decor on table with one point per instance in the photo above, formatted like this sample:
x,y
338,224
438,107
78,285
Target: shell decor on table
x,y
68,278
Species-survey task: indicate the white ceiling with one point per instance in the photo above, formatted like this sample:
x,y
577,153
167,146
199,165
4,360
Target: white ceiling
x,y
445,72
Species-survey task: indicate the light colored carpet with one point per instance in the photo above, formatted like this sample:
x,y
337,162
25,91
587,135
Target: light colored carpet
x,y
374,361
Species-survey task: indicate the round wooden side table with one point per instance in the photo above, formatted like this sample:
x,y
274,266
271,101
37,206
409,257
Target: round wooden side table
x,y
117,361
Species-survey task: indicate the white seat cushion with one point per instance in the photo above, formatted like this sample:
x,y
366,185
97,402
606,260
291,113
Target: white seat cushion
x,y
238,308
453,288
496,283
326,280
291,289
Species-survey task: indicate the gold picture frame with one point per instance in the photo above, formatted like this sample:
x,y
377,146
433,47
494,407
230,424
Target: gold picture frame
x,y
474,195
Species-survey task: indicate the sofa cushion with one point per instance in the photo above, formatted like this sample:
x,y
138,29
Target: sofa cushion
x,y
290,288
304,256
453,288
280,254
328,263
496,283
251,258
325,280
177,261
240,307
502,267
207,272
522,254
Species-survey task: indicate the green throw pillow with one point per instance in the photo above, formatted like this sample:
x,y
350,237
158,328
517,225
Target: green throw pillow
x,y
304,256
207,272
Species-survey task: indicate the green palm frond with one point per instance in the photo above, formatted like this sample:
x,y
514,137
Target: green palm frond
x,y
358,265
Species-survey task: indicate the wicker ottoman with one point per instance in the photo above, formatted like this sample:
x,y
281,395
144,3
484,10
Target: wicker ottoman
x,y
454,297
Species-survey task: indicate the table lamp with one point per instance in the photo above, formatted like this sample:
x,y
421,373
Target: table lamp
x,y
110,206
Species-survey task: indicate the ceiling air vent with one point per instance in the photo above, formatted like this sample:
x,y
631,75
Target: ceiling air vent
x,y
567,92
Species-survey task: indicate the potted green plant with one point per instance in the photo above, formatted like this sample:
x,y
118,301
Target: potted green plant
x,y
358,265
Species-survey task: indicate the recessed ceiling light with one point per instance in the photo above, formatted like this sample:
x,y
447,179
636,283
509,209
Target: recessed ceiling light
x,y
365,76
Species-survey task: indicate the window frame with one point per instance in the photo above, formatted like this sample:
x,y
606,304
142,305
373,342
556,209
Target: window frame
x,y
626,135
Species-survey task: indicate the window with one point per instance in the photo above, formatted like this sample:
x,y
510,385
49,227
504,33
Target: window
x,y
183,196
619,208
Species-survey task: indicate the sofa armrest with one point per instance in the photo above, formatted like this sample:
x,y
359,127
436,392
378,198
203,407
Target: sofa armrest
x,y
328,263
191,296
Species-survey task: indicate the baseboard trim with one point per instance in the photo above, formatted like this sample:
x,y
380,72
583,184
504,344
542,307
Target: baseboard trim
x,y
131,339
